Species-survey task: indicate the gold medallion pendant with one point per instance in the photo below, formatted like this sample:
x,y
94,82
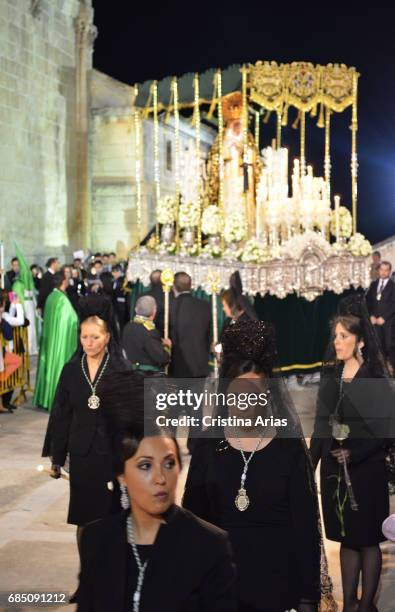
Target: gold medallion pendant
x,y
242,500
94,402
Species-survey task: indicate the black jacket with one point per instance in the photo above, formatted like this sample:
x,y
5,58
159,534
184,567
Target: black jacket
x,y
189,569
73,427
46,287
367,408
190,332
144,346
385,307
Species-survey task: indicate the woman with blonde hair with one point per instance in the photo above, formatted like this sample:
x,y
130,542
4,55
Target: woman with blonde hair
x,y
77,426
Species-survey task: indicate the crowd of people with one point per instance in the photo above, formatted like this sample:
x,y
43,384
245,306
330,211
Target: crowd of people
x,y
247,536
28,289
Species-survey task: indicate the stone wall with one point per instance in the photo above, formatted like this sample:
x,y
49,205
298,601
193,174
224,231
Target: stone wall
x,y
38,180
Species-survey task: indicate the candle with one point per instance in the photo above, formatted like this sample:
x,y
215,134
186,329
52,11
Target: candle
x,y
2,264
295,179
337,217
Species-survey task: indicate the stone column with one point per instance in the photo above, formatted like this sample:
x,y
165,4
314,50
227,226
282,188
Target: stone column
x,y
86,33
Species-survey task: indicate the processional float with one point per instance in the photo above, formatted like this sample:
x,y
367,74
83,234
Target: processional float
x,y
239,206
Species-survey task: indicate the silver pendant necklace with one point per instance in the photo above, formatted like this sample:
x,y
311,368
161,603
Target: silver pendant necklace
x,y
141,566
242,500
94,400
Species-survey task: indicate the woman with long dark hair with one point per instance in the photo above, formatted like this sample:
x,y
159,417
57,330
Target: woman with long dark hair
x,y
257,482
77,426
352,430
153,556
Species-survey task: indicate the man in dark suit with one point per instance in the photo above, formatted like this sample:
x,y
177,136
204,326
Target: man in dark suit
x,y
190,332
142,342
47,282
156,291
380,299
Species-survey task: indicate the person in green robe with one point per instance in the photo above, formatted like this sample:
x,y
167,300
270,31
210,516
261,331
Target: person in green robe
x,y
24,288
58,342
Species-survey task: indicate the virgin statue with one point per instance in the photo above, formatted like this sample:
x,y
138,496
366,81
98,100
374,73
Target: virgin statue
x,y
240,175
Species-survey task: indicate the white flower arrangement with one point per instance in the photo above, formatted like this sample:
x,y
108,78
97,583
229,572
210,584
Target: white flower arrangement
x,y
212,221
254,252
189,214
359,246
233,254
167,210
166,248
235,227
345,222
193,250
211,250
294,247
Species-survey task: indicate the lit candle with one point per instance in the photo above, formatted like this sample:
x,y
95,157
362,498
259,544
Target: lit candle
x,y
337,216
2,264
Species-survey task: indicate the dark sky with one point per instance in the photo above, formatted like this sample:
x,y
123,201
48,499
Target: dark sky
x,y
133,46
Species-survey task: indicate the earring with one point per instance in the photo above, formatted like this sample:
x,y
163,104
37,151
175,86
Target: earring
x,y
125,503
359,352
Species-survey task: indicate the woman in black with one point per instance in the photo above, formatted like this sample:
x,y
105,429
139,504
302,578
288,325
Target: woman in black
x,y
154,557
352,431
77,426
271,513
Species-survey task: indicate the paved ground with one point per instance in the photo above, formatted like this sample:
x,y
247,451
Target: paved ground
x,y
37,548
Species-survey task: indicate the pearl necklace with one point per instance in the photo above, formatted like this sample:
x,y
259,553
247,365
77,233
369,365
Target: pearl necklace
x,y
93,400
141,566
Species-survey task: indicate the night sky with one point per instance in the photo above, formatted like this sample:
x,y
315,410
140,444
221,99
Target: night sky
x,y
134,47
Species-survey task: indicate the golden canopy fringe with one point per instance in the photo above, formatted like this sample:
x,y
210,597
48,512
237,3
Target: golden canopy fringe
x,y
274,86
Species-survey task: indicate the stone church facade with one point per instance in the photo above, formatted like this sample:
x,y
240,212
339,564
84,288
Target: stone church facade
x,y
67,159
45,61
